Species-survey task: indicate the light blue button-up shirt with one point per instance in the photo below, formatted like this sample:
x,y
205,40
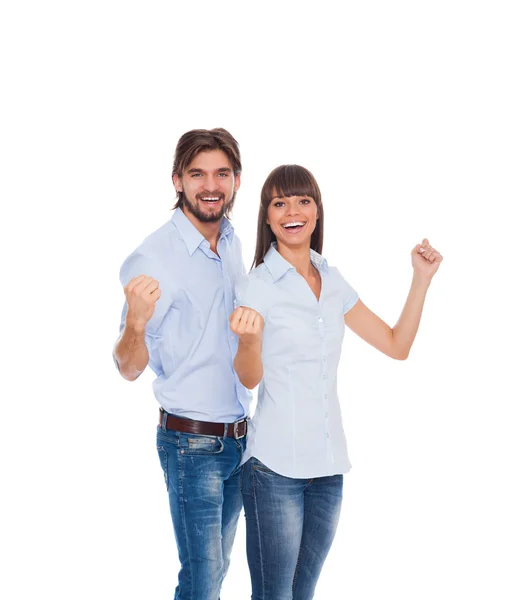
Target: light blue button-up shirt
x,y
191,348
297,429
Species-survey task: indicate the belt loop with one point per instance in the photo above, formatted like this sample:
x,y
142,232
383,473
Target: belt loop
x,y
163,420
225,433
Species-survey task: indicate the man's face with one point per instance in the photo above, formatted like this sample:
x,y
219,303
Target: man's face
x,y
209,185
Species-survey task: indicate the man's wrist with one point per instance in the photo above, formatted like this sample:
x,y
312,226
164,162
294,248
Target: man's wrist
x,y
251,345
135,327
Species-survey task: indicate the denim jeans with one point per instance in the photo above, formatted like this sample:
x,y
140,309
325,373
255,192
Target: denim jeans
x,y
203,479
290,525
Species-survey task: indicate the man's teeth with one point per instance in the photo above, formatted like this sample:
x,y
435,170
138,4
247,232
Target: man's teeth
x,y
211,199
294,224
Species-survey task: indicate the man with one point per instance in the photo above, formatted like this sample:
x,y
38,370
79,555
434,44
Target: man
x,y
179,288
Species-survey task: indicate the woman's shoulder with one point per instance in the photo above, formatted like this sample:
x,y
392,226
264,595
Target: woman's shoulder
x,y
260,273
254,290
257,281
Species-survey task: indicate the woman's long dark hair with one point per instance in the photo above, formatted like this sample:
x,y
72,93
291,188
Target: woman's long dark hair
x,y
287,180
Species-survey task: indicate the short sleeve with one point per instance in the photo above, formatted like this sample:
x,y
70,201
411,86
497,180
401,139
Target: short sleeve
x,y
348,295
253,292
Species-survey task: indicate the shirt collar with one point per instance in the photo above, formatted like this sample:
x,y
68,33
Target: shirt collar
x,y
191,236
278,266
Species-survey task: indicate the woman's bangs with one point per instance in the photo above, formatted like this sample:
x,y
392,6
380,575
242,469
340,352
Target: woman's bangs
x,y
292,180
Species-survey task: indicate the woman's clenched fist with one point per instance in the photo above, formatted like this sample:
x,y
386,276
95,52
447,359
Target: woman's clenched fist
x,y
141,295
426,260
247,324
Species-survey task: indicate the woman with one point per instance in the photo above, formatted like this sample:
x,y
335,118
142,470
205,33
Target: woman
x,y
291,314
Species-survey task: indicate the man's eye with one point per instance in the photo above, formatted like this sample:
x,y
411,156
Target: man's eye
x,y
223,175
194,175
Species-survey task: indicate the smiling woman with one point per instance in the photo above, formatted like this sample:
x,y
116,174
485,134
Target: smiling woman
x,y
294,185
290,320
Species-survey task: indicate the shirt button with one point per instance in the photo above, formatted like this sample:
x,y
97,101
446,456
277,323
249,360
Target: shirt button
x,y
326,415
326,396
327,436
325,376
320,320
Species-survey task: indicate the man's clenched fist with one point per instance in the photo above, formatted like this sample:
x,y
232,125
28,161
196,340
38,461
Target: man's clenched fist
x,y
247,324
141,294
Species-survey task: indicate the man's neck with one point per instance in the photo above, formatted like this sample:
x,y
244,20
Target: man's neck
x,y
210,231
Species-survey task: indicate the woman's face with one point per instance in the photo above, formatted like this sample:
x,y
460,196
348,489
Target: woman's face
x,y
292,219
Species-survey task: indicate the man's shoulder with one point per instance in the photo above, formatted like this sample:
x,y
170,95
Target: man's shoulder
x,y
157,245
154,256
160,240
235,242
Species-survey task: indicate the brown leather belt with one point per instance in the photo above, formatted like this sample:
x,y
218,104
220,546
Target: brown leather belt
x,y
235,430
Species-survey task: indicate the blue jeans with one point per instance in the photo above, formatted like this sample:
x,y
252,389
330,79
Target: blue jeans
x,y
290,525
203,479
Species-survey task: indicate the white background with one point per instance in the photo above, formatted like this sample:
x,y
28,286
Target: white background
x,y
400,109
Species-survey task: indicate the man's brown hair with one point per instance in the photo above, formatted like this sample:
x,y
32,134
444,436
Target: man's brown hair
x,y
205,140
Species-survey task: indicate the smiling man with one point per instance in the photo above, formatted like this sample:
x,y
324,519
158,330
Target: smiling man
x,y
179,287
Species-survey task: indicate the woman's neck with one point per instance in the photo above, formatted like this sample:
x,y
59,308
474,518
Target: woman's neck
x,y
298,257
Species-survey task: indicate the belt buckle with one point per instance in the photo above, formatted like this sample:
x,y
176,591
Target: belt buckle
x,y
236,430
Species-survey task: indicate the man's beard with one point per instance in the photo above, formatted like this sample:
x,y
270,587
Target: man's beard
x,y
207,217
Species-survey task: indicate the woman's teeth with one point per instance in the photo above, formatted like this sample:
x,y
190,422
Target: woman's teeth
x,y
293,224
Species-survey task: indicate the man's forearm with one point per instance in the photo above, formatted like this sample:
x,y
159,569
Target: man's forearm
x,y
131,352
248,364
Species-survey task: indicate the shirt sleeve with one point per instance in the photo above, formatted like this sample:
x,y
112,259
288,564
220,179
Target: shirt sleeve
x,y
253,292
139,264
348,295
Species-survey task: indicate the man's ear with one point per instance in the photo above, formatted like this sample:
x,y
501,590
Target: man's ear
x,y
177,183
237,182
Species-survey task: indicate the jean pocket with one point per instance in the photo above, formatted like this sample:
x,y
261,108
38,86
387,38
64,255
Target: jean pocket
x,y
200,444
257,465
163,459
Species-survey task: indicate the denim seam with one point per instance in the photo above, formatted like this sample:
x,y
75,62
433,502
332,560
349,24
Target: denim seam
x,y
300,548
162,449
298,563
183,514
253,483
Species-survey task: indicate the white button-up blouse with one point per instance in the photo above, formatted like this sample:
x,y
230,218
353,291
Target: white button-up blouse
x,y
297,429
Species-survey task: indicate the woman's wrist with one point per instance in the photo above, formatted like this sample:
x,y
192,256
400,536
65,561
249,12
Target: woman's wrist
x,y
420,281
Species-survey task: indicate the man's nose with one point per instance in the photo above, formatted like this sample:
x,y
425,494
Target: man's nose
x,y
209,182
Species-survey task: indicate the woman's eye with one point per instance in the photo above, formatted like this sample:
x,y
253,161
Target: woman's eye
x,y
305,201
278,204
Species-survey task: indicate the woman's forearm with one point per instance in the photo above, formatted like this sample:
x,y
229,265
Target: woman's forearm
x,y
406,328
